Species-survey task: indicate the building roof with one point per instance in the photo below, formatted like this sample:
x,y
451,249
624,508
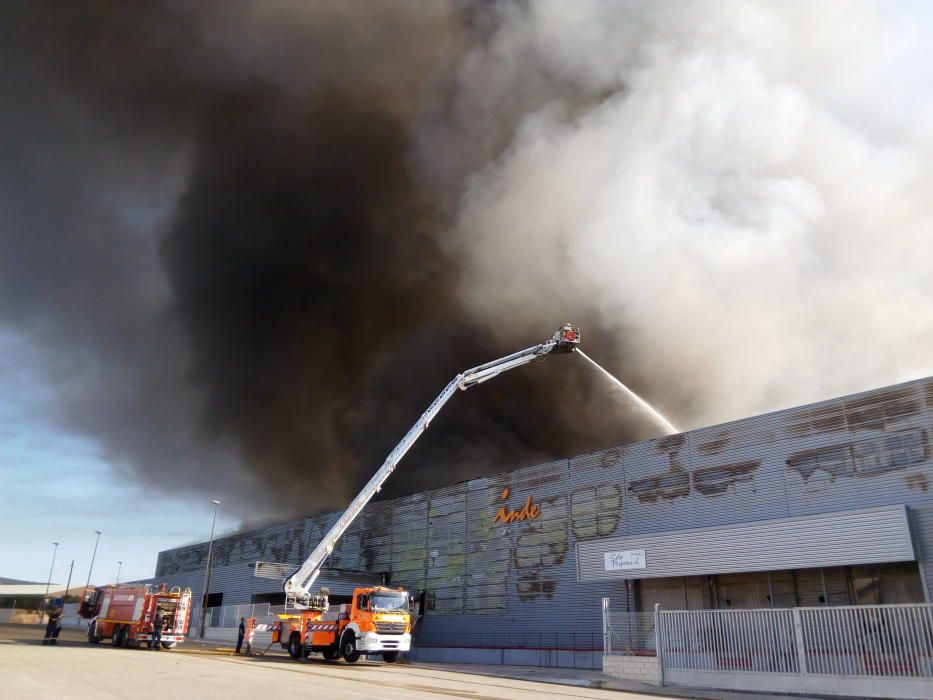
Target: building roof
x,y
29,589
7,581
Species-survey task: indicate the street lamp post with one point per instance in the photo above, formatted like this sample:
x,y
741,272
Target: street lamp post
x,y
51,568
207,571
93,557
119,566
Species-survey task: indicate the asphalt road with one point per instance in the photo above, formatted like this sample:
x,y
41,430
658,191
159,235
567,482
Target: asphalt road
x,y
76,670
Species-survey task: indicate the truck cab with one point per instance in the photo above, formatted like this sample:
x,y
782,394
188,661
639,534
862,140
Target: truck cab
x,y
379,624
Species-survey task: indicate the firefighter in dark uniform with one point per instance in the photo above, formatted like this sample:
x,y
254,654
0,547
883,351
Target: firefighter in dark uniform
x,y
54,625
156,632
240,634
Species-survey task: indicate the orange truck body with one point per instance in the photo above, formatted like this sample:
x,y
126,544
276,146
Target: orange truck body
x,y
377,622
125,613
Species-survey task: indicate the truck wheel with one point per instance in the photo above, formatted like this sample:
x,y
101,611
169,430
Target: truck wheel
x,y
92,633
117,638
390,657
169,645
294,645
125,635
331,653
348,648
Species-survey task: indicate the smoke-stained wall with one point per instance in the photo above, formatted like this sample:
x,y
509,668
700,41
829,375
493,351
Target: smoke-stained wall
x,y
483,576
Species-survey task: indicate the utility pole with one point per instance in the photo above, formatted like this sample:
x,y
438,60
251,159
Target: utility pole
x,y
54,552
119,566
93,557
207,572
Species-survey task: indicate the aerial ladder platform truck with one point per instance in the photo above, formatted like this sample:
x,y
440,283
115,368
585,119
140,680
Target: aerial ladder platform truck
x,y
378,620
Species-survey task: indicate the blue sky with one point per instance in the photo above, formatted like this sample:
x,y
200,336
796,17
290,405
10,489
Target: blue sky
x,y
56,486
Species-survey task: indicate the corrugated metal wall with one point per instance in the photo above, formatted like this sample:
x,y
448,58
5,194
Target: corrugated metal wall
x,y
866,536
482,577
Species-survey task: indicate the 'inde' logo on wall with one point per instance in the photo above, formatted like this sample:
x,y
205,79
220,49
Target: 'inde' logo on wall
x,y
529,511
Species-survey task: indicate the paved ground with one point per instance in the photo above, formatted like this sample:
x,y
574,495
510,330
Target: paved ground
x,y
76,670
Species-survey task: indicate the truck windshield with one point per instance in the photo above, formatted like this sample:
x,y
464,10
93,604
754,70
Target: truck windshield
x,y
390,602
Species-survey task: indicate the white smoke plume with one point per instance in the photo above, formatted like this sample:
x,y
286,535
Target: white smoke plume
x,y
741,190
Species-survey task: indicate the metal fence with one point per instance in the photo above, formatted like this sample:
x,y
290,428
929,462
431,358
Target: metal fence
x,y
885,641
889,640
628,633
226,616
735,640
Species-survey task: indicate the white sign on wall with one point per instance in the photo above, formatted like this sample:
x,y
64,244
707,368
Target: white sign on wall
x,y
622,561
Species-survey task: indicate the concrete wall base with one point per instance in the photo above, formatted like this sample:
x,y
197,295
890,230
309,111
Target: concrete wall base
x,y
644,669
545,658
850,686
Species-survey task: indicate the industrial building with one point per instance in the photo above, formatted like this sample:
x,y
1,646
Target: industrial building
x,y
825,504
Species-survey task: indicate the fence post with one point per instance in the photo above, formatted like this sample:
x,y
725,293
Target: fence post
x,y
607,631
658,637
798,641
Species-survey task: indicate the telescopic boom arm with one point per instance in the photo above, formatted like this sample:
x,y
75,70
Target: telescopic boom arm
x,y
297,586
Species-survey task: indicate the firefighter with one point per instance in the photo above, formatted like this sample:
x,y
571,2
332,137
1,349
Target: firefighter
x,y
156,632
240,634
54,626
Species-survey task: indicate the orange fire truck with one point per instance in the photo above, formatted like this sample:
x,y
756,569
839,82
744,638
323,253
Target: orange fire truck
x,y
125,613
378,620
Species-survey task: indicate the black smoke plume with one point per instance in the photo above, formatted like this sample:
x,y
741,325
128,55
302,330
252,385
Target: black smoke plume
x,y
220,246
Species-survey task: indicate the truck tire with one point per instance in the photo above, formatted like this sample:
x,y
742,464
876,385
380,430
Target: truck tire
x,y
390,657
294,646
348,648
92,633
117,638
169,645
331,653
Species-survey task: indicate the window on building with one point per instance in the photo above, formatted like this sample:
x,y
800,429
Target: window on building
x,y
742,591
680,593
783,592
269,598
887,584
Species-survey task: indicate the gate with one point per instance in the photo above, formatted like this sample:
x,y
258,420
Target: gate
x,y
865,650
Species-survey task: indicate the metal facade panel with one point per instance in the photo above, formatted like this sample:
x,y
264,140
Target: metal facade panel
x,y
870,536
410,541
488,555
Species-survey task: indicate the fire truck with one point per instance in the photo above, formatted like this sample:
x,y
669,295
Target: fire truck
x,y
125,613
378,620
